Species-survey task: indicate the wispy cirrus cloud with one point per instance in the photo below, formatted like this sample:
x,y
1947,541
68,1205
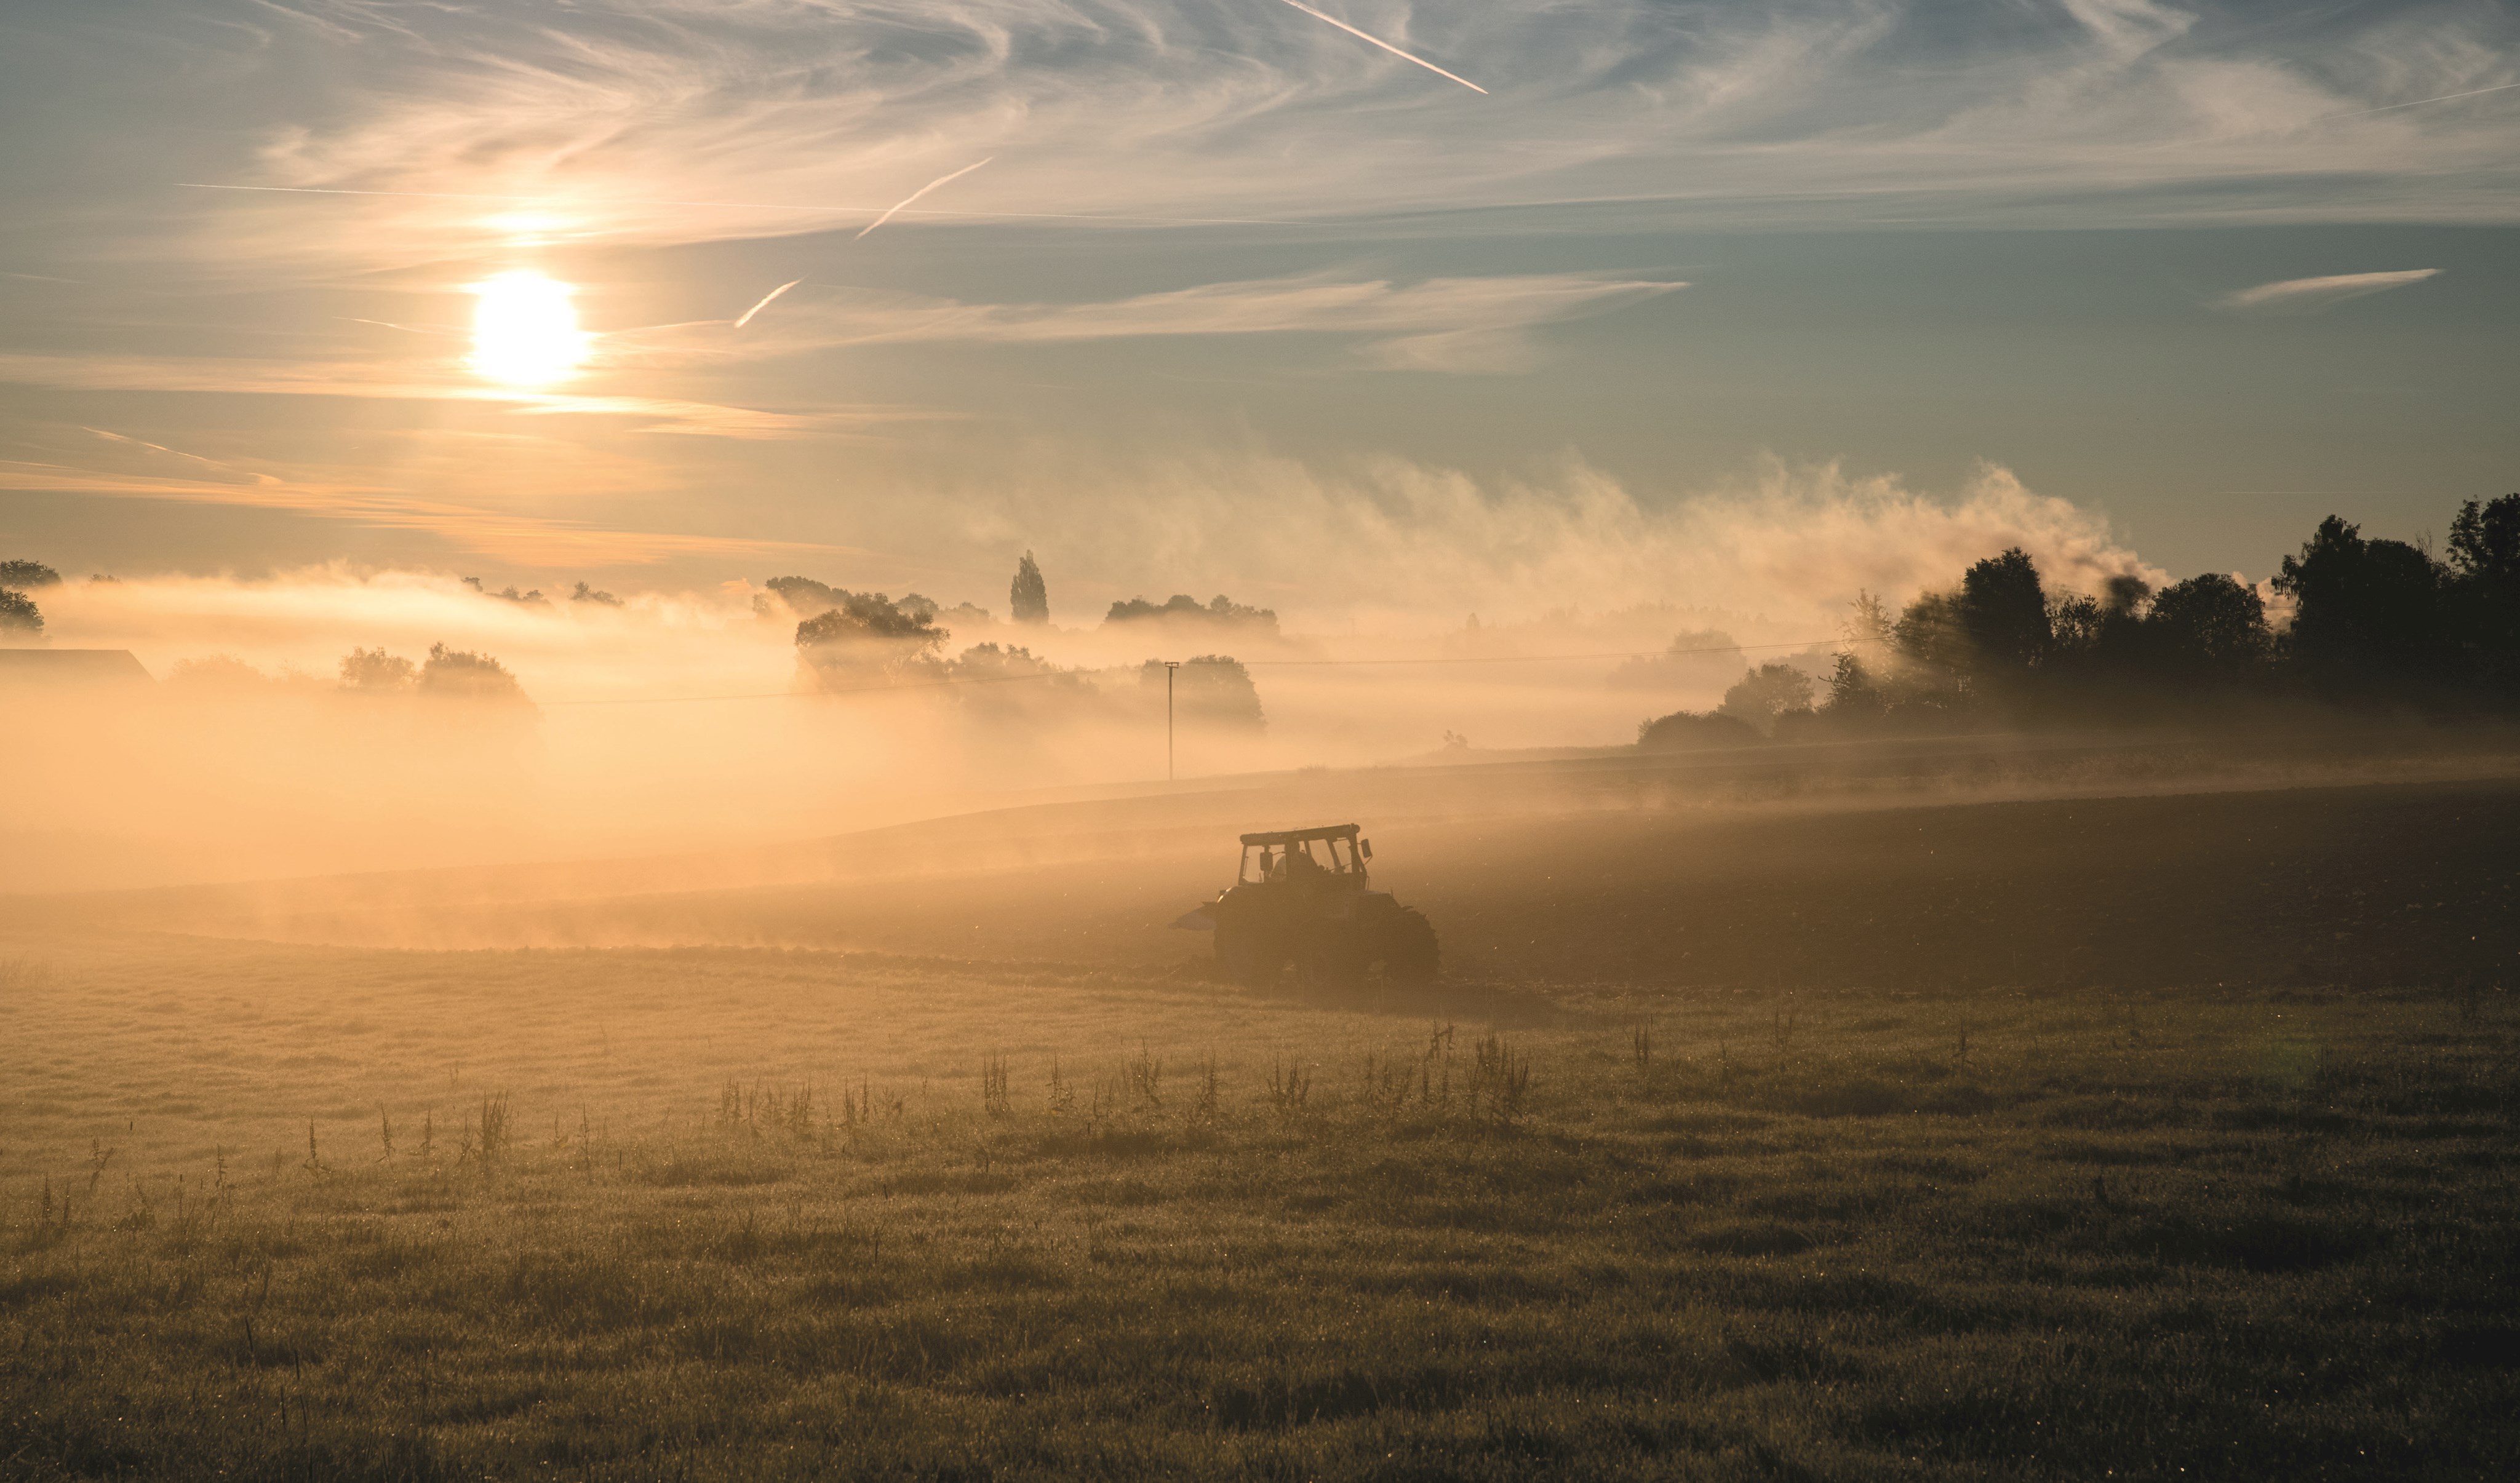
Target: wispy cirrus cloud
x,y
2309,295
674,120
404,381
507,535
1439,324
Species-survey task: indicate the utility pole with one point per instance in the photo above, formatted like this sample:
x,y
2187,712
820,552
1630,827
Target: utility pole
x,y
1170,665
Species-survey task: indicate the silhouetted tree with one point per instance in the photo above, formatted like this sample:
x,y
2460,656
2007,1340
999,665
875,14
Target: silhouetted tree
x,y
375,672
2367,616
586,594
1854,699
2003,613
1932,641
2485,562
1028,596
2207,631
27,577
2089,637
2484,544
20,615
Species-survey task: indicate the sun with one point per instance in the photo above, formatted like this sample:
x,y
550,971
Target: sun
x,y
524,329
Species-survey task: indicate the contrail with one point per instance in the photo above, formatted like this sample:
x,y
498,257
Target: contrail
x,y
915,194
2499,87
765,301
349,318
762,206
1387,46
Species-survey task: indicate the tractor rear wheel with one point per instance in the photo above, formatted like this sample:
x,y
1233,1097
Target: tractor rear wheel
x,y
1407,947
1336,956
1250,956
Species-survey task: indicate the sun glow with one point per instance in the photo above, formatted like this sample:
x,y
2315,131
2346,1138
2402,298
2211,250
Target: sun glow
x,y
524,330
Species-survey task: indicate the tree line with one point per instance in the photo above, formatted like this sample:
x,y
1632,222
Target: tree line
x,y
2366,624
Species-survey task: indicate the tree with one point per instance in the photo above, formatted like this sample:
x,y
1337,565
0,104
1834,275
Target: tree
x,y
26,577
2485,590
1868,625
586,594
2002,609
375,672
868,640
20,615
1768,692
1212,691
2208,630
2483,545
2366,616
1853,696
1932,642
1028,596
458,674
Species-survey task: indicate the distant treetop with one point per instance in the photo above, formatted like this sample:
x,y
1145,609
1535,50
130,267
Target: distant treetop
x,y
806,598
26,577
869,639
1028,597
534,598
375,672
463,675
1221,612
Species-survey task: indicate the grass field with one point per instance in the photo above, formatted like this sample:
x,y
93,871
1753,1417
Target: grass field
x,y
1745,1154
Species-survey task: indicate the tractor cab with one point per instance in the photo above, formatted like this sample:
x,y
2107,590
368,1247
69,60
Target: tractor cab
x,y
1332,858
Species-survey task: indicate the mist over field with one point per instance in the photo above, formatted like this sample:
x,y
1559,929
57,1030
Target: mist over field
x,y
676,719
980,742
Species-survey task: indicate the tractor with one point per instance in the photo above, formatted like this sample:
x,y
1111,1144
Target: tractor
x,y
1301,899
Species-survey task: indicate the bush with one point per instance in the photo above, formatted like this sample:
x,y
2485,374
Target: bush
x,y
1688,731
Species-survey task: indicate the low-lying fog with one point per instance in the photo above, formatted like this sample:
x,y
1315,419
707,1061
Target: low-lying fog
x,y
669,721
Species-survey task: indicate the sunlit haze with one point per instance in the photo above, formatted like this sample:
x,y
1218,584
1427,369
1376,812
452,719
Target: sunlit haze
x,y
1031,740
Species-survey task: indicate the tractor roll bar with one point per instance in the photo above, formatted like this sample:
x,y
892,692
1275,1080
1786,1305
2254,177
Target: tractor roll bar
x,y
1290,836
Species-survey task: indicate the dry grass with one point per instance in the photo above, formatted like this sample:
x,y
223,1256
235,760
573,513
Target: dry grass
x,y
292,1212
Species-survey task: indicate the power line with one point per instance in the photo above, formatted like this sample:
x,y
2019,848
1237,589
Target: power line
x,y
1060,674
1614,654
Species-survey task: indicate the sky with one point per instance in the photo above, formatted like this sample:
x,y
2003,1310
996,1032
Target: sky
x,y
1496,307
